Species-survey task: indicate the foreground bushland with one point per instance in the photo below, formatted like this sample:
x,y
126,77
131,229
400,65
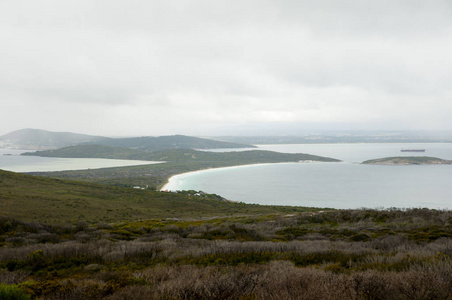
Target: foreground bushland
x,y
343,254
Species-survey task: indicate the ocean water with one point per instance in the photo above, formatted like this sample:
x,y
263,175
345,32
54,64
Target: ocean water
x,y
11,160
337,185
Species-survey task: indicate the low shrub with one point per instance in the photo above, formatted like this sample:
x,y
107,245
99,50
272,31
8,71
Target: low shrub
x,y
12,292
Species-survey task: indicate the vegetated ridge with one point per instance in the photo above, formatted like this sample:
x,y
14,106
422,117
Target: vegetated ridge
x,y
160,143
249,156
93,151
408,160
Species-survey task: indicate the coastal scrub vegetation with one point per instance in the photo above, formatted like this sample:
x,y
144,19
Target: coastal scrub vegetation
x,y
334,254
75,240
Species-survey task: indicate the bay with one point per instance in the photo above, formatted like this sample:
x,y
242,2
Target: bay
x,y
337,185
11,160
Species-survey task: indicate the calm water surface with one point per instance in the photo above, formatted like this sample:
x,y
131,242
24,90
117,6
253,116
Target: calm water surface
x,y
338,185
11,160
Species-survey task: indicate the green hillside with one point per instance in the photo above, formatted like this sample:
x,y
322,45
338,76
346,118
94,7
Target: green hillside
x,y
55,201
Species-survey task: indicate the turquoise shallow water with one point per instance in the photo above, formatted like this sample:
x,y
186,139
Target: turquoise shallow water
x,y
338,185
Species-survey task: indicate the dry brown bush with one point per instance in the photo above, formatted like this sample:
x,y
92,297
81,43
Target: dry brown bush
x,y
135,292
192,282
13,277
422,285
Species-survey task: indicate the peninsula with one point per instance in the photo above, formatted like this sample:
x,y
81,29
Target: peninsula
x,y
155,176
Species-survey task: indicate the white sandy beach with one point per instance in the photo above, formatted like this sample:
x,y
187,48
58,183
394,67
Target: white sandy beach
x,y
172,183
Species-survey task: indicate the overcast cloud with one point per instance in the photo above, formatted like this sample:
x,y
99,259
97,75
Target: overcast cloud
x,y
224,67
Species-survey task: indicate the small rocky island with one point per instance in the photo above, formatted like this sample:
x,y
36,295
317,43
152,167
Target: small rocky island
x,y
408,160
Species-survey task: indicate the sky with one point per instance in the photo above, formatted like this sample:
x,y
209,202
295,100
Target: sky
x,y
127,68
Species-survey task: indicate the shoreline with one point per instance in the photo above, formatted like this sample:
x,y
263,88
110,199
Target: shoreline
x,y
165,186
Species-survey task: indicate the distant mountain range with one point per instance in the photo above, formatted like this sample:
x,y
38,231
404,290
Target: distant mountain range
x,y
37,139
347,137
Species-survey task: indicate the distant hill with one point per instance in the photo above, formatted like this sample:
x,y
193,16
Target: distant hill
x,y
345,137
160,143
35,139
408,160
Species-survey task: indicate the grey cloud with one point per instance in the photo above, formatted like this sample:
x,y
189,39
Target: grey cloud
x,y
230,61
